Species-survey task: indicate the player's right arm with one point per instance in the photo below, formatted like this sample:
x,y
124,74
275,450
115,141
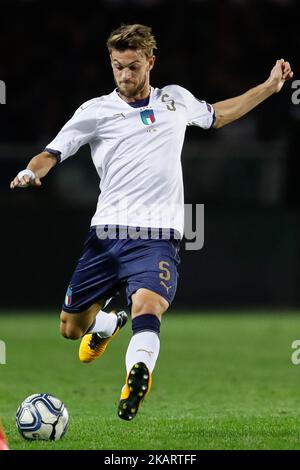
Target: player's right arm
x,y
37,168
79,130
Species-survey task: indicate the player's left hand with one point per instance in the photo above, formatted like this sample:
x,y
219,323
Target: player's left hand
x,y
280,73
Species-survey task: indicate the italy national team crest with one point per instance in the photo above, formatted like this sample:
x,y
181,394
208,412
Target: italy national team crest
x,y
147,116
68,298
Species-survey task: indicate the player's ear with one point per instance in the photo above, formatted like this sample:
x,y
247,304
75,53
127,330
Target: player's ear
x,y
151,62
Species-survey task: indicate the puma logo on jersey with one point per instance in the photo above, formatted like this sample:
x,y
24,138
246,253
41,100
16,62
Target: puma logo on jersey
x,y
119,115
165,286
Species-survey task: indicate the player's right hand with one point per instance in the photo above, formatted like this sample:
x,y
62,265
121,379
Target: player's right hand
x,y
24,179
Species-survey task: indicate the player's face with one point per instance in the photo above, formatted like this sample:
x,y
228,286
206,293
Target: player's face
x,y
131,72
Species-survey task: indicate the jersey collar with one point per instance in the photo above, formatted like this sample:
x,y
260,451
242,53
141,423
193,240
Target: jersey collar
x,y
118,98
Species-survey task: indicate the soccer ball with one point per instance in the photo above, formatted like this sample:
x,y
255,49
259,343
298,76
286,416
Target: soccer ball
x,y
42,416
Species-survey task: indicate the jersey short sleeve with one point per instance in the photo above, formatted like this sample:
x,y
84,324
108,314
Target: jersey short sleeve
x,y
79,130
199,112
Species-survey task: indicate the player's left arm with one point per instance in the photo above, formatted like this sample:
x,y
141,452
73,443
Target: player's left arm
x,y
232,109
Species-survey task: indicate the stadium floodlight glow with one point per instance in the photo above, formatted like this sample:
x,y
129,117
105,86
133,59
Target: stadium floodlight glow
x,y
2,92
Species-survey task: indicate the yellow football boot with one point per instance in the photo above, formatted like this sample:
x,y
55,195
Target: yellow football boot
x,y
93,346
137,386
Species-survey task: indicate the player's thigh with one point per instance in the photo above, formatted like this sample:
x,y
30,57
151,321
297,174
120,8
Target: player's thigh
x,y
74,325
95,276
152,283
147,301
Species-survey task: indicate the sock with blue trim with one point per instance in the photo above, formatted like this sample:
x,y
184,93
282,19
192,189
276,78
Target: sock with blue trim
x,y
144,344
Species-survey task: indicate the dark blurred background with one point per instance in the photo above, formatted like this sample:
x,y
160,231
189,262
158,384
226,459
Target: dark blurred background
x,y
53,58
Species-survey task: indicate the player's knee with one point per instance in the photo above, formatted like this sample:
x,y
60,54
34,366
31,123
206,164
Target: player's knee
x,y
145,302
69,329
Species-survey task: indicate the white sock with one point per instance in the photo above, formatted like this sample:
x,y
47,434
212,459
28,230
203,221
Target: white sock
x,y
143,347
104,324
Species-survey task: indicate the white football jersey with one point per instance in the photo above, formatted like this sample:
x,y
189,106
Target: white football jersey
x,y
137,154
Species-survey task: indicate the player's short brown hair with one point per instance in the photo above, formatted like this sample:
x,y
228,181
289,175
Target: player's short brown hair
x,y
132,36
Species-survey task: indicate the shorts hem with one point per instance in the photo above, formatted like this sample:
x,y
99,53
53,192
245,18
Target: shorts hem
x,y
129,294
73,310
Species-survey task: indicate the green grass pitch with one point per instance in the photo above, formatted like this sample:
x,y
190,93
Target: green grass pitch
x,y
221,382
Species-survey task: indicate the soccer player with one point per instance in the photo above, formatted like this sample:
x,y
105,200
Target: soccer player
x,y
136,134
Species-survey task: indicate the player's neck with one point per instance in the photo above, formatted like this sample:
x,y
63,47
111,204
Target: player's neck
x,y
145,93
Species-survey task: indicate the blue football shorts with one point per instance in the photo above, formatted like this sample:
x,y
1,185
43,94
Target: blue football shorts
x,y
108,265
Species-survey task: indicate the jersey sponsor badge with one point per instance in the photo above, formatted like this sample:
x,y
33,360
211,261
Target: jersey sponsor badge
x,y
147,116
